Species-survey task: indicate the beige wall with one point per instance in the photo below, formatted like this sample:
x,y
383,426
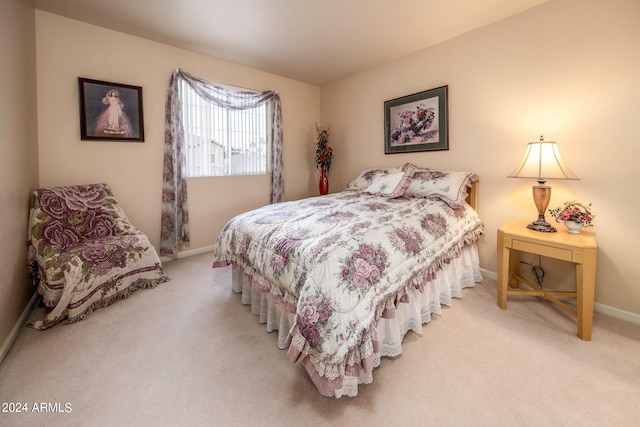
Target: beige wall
x,y
68,49
567,70
18,155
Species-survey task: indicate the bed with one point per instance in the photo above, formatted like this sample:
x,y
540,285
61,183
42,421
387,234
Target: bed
x,y
343,277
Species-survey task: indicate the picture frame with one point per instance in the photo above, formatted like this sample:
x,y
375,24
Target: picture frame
x,y
417,122
110,111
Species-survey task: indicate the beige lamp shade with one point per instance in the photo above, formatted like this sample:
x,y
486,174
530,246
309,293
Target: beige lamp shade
x,y
542,161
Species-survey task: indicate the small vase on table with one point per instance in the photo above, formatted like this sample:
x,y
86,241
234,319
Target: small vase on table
x,y
573,227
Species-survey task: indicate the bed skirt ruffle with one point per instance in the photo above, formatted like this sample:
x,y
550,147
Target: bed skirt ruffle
x,y
415,310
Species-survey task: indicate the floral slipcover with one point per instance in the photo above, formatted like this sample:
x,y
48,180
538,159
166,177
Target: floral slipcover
x,y
84,253
340,263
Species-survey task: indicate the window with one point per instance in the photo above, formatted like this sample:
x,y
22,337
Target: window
x,y
221,141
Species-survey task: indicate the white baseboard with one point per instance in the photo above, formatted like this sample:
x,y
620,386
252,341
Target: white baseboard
x,y
13,335
627,316
617,313
185,254
489,274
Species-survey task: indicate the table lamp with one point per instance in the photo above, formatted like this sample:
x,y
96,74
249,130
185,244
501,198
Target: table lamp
x,y
542,161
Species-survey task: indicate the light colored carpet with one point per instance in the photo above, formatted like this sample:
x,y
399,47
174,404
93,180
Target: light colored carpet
x,y
189,354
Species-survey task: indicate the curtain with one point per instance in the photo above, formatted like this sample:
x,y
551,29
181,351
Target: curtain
x,y
175,212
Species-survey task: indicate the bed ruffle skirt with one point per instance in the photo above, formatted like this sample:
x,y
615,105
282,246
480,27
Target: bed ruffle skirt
x,y
410,315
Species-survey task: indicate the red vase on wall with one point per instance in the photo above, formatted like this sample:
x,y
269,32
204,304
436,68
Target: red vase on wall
x,y
324,182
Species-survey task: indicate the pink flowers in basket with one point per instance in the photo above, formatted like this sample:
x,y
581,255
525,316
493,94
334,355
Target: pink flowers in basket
x,y
574,212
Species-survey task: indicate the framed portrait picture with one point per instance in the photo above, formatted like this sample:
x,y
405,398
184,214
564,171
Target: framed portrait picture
x,y
110,111
417,122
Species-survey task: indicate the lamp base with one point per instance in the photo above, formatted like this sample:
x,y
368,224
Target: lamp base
x,y
541,225
541,197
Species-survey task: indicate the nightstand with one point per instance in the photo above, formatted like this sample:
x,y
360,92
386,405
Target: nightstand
x,y
580,249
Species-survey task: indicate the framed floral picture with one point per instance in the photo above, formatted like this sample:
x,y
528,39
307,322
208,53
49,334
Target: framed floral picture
x,y
110,111
417,122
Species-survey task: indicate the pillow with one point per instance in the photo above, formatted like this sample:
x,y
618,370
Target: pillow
x,y
390,185
366,176
417,168
449,186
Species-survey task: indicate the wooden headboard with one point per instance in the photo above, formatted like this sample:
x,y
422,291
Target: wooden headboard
x,y
472,197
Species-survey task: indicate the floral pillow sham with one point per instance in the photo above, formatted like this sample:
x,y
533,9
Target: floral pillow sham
x,y
391,185
366,177
410,181
449,186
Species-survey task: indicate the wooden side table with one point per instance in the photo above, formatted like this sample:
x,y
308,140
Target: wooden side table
x,y
581,249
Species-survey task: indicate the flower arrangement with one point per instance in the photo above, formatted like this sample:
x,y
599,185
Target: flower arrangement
x,y
575,212
324,153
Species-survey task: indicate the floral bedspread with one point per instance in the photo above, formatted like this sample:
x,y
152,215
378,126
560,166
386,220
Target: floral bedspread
x,y
340,261
84,253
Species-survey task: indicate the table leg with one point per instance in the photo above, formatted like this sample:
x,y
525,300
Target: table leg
x,y
514,268
503,271
585,294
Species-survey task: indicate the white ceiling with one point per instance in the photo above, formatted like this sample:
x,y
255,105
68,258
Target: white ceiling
x,y
314,41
